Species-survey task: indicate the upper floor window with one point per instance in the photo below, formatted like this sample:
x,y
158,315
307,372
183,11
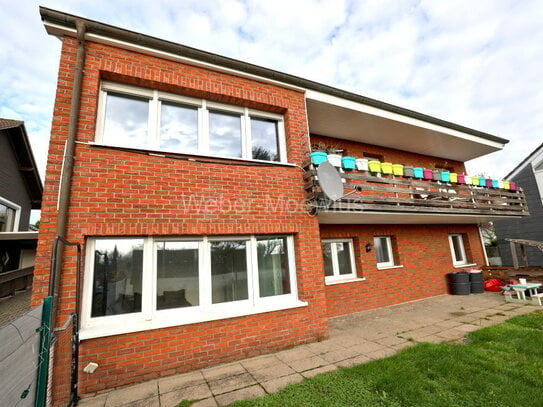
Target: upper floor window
x,y
9,216
143,118
538,172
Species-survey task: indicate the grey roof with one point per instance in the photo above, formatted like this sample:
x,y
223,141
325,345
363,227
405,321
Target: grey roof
x,y
109,31
525,161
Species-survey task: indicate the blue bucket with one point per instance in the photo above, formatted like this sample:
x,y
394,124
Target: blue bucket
x,y
418,172
445,176
348,163
318,157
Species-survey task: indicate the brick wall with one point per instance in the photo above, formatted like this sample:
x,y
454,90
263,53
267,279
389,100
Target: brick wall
x,y
119,193
424,252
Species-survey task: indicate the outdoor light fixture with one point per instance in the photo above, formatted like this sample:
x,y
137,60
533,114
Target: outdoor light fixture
x,y
368,247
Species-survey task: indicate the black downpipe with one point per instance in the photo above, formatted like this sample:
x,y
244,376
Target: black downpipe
x,y
75,315
63,206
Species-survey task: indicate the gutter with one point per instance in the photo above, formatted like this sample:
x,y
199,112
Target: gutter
x,y
64,201
67,22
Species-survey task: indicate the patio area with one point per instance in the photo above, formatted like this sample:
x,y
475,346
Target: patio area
x,y
354,339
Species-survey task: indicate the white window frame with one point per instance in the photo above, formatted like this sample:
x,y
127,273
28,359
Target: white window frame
x,y
464,261
337,277
17,209
385,264
538,174
204,106
151,318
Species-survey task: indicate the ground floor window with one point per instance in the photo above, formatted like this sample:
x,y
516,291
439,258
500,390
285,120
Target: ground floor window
x,y
338,259
150,281
383,251
458,251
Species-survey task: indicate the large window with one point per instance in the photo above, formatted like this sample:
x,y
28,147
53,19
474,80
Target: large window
x,y
9,216
149,119
143,283
458,251
338,260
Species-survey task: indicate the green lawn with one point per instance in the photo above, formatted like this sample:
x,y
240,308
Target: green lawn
x,y
501,365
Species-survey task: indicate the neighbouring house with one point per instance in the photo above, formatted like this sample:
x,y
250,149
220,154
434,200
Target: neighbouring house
x,y
20,192
529,174
186,180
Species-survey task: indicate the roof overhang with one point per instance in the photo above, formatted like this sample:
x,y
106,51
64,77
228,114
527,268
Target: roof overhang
x,y
350,120
332,111
387,218
19,236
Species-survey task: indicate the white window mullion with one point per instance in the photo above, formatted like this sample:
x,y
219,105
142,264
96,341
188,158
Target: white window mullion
x,y
335,262
101,117
148,282
246,142
154,122
292,267
282,141
252,274
203,129
204,274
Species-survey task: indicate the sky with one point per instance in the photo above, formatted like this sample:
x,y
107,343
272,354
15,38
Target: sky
x,y
474,63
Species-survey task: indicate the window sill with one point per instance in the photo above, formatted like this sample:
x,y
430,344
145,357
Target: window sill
x,y
346,280
189,157
165,321
459,266
389,267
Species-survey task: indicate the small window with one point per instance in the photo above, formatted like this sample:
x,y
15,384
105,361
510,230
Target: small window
x,y
338,259
118,269
126,119
458,251
383,251
265,139
273,267
7,218
178,278
178,128
225,134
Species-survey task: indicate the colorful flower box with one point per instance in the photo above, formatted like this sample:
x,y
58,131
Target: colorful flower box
x,y
386,168
488,182
418,172
362,164
397,169
462,179
348,163
428,174
474,180
408,171
495,183
445,176
318,157
374,166
453,176
512,186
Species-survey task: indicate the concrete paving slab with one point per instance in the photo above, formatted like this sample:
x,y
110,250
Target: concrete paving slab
x,y
381,353
297,353
323,369
231,383
180,381
365,347
132,394
173,398
391,340
273,372
308,363
98,401
338,355
242,394
274,385
222,371
210,402
260,362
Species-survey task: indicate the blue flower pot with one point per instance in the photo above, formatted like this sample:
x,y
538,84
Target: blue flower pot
x,y
348,163
445,176
418,172
318,157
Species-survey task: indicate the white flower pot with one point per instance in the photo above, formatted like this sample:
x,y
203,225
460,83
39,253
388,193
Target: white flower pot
x,y
362,164
335,160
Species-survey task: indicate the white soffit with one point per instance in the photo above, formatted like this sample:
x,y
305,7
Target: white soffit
x,y
335,117
392,218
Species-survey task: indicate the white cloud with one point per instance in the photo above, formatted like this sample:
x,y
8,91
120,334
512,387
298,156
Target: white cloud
x,y
474,63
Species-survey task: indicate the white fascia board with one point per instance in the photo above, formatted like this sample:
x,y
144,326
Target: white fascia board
x,y
55,29
533,159
359,107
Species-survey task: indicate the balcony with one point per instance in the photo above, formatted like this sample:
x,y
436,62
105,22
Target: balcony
x,y
399,200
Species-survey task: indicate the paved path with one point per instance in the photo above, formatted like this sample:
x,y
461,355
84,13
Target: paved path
x,y
354,339
14,307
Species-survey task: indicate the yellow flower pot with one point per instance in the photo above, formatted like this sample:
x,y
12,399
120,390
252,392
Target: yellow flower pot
x,y
386,168
453,176
397,169
374,166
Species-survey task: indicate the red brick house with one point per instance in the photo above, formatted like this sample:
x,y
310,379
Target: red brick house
x,y
192,197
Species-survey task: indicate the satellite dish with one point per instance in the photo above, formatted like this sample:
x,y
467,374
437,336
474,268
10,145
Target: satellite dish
x,y
330,181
